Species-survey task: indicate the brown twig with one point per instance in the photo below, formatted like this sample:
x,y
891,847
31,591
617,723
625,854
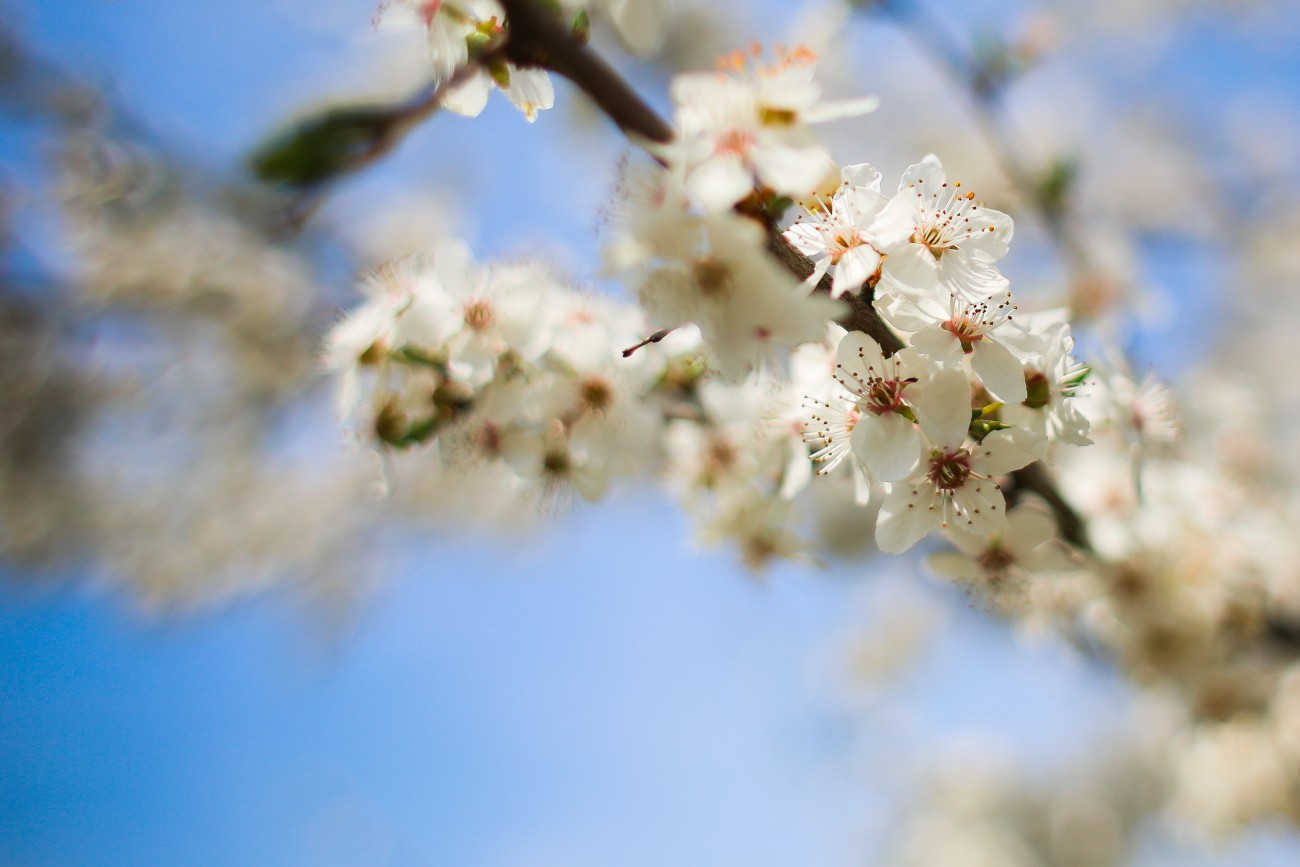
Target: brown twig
x,y
653,338
537,39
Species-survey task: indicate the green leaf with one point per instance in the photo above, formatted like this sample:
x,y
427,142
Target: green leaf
x,y
322,147
1057,183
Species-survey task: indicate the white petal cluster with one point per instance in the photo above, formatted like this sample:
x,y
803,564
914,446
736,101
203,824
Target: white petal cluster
x,y
745,127
844,232
934,233
973,395
739,465
999,566
453,28
955,484
714,270
499,364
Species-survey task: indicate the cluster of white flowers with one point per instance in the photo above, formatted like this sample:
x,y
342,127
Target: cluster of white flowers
x,y
936,425
713,270
502,364
458,33
952,412
976,393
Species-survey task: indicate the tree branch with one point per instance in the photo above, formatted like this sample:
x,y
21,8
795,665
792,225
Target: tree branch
x,y
537,39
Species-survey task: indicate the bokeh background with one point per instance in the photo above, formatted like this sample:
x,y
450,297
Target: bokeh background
x,y
207,660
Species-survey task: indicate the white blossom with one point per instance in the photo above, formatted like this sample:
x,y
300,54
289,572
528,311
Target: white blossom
x,y
955,484
933,234
840,233
946,325
1052,383
1000,564
874,421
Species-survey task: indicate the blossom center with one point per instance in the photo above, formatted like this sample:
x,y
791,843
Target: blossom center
x,y
931,237
1038,390
965,329
489,438
736,141
480,315
429,11
597,393
770,116
996,560
713,277
949,470
885,395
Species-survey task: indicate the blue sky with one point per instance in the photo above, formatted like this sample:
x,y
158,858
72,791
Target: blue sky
x,y
603,695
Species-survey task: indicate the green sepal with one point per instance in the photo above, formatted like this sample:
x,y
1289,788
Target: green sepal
x,y
415,355
581,27
982,427
418,433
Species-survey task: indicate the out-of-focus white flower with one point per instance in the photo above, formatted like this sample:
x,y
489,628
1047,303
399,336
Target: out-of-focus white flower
x,y
447,26
1000,563
1229,776
759,525
450,26
745,126
719,275
473,315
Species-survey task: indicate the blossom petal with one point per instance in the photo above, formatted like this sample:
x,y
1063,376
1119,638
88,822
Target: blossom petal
x,y
1027,528
911,267
893,226
989,234
927,174
999,370
470,97
969,276
820,267
907,311
862,175
859,359
530,90
942,405
720,182
853,269
861,484
640,23
937,344
1005,450
907,515
807,239
792,169
839,108
958,567
979,507
888,444
798,470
